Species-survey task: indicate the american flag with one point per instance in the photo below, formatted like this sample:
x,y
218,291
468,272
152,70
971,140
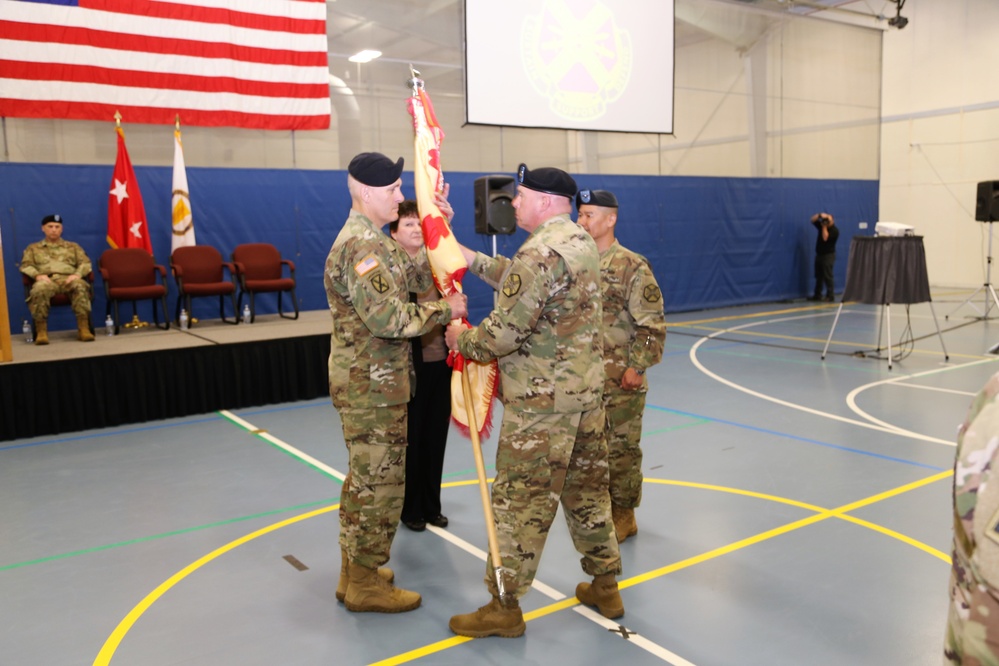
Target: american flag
x,y
258,64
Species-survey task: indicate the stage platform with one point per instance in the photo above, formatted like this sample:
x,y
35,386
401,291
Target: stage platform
x,y
145,374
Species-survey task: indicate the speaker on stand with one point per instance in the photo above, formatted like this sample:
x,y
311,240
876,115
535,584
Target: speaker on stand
x,y
494,213
987,211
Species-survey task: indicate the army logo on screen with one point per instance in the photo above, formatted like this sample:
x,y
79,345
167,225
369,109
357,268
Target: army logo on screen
x,y
581,64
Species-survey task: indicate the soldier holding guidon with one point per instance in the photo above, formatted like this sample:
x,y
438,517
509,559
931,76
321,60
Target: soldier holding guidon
x,y
368,277
545,333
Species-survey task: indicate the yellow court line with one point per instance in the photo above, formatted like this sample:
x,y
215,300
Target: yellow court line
x,y
820,515
698,322
114,640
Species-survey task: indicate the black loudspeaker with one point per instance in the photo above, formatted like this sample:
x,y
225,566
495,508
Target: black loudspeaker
x,y
494,212
987,202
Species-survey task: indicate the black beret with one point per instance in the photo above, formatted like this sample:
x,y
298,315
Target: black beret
x,y
548,180
51,218
374,169
596,198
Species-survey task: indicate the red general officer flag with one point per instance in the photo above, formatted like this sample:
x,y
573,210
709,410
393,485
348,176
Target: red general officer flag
x,y
126,215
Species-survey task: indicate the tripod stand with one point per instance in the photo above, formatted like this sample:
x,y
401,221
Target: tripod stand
x,y
990,292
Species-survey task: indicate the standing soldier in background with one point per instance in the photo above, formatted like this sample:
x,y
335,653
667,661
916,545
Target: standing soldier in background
x,y
545,333
57,266
368,278
634,329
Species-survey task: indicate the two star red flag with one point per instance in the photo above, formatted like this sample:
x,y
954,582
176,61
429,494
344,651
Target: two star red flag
x,y
127,225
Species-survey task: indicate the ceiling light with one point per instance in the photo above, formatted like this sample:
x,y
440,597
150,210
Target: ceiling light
x,y
367,55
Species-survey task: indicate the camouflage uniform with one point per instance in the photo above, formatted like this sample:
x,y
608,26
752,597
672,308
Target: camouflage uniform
x,y
545,331
634,332
58,260
973,620
368,278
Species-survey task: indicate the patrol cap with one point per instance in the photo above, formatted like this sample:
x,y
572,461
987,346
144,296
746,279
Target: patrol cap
x,y
374,169
51,218
548,180
596,198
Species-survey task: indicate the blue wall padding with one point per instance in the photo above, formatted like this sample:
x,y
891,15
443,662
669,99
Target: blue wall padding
x,y
712,241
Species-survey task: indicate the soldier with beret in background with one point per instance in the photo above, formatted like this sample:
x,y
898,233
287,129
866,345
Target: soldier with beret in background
x,y
368,277
634,330
57,266
545,333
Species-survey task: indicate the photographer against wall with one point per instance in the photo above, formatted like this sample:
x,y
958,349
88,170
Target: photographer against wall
x,y
825,255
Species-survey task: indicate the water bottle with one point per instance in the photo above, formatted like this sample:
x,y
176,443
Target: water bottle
x,y
109,326
26,329
246,314
183,319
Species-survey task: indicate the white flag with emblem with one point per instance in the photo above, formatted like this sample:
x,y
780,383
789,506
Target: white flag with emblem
x,y
183,222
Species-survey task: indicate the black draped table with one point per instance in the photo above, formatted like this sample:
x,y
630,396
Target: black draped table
x,y
882,270
887,269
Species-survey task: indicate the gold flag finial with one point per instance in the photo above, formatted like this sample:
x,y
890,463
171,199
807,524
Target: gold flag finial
x,y
117,118
177,124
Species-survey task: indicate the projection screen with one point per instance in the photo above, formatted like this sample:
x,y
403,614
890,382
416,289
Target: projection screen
x,y
570,64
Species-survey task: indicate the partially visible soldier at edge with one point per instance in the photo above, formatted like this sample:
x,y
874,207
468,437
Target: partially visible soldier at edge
x,y
634,329
972,633
368,278
545,333
57,266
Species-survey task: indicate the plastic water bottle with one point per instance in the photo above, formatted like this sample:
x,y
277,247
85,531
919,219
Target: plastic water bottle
x,y
183,319
246,314
109,326
26,329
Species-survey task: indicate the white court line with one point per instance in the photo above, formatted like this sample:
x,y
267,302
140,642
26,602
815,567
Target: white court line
x,y
871,423
939,390
851,398
550,592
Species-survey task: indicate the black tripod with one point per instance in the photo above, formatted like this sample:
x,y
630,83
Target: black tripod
x,y
990,293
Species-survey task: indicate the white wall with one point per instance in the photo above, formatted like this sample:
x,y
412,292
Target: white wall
x,y
940,131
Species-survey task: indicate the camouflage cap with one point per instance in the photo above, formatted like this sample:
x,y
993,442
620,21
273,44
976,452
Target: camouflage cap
x,y
548,180
51,218
596,198
375,169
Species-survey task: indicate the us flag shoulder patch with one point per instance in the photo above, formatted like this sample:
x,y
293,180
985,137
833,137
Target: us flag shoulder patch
x,y
366,265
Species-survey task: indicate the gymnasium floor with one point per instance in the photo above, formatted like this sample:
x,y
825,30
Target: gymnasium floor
x,y
796,511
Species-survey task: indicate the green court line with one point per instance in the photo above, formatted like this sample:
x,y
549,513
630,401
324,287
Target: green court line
x,y
166,534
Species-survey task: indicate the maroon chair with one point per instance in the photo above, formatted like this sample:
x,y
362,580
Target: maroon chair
x,y
197,270
59,299
129,274
259,269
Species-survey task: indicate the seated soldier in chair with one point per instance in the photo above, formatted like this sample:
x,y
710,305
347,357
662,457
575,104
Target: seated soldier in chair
x,y
57,266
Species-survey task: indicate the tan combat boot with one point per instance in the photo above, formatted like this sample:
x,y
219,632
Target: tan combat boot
x,y
603,594
368,592
624,522
493,619
41,332
341,586
83,333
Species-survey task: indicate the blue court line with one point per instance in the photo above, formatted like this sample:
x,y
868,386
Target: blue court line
x,y
800,439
